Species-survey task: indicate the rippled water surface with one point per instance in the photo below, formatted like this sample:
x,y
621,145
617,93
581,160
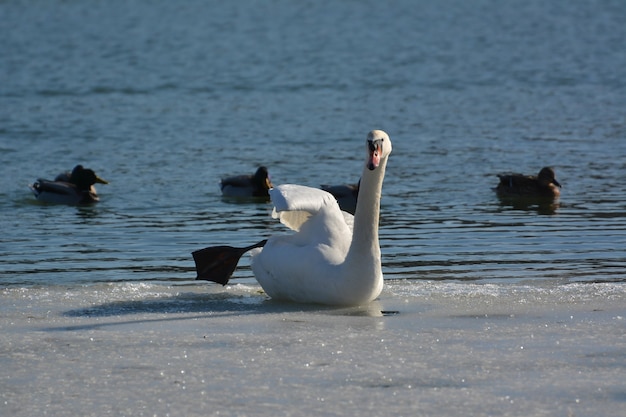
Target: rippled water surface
x,y
162,99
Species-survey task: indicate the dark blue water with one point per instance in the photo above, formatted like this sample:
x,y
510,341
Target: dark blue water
x,y
164,98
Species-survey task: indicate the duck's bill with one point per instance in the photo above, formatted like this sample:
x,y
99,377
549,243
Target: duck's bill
x,y
100,180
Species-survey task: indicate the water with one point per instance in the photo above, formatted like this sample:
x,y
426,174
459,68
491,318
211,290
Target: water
x,y
162,99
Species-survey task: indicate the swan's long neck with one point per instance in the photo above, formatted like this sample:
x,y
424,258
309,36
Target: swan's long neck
x,y
365,248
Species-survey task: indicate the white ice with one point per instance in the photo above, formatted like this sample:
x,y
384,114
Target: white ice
x,y
425,348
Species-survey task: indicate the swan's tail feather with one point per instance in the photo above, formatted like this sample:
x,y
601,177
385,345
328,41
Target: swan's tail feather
x,y
217,263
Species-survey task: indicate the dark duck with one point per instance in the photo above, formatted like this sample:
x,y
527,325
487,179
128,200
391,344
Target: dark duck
x,y
256,185
71,188
544,185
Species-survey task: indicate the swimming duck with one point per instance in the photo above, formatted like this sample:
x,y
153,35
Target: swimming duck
x,y
518,185
332,258
345,194
256,185
71,188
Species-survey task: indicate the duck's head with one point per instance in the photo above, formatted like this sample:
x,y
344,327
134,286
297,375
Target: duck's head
x,y
547,176
262,177
85,177
378,148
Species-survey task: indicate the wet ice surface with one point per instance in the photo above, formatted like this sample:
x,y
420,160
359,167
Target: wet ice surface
x,y
424,348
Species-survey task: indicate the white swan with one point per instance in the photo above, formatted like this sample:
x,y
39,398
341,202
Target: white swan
x,y
333,258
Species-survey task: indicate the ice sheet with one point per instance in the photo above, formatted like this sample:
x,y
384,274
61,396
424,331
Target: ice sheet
x,y
424,348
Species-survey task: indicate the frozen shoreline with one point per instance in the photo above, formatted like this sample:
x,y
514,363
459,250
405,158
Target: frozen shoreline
x,y
438,348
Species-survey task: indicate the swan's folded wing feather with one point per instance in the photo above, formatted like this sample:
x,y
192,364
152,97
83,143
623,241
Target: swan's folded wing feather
x,y
294,204
349,218
292,219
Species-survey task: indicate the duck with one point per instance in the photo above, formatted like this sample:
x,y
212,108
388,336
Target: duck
x,y
256,185
544,185
345,194
71,188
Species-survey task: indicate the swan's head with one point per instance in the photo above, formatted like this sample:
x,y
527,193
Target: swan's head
x,y
378,148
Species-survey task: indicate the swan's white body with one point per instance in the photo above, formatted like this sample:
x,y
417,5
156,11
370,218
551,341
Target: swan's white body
x,y
334,257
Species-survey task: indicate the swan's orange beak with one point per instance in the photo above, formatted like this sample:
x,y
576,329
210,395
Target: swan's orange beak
x,y
375,150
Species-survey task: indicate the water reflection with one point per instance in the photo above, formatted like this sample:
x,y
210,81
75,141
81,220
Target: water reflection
x,y
87,212
540,205
245,200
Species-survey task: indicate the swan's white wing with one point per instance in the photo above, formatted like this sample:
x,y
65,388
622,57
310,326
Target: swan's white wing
x,y
349,218
294,204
